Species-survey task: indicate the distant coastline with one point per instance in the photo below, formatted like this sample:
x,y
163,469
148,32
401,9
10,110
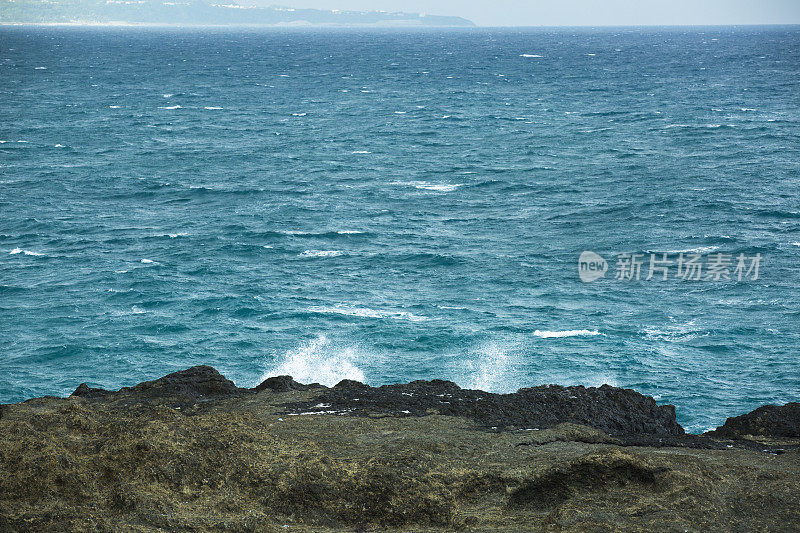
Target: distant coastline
x,y
151,12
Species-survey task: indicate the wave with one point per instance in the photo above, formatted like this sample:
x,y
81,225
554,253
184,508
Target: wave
x,y
321,253
673,332
16,251
211,107
318,234
530,55
568,333
170,107
365,312
427,186
318,361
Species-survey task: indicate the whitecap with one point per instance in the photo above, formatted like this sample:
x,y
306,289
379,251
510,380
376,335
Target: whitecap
x,y
672,332
170,107
568,333
211,108
698,250
168,95
147,261
16,251
361,152
321,253
349,232
366,312
531,55
427,186
40,68
176,235
399,112
299,114
113,107
59,146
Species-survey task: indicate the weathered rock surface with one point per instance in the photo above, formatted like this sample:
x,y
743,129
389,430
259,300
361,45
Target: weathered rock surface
x,y
618,412
193,452
766,421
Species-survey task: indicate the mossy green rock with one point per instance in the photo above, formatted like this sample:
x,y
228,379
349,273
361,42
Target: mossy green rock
x,y
202,456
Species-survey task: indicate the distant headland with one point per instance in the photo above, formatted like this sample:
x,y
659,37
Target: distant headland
x,y
205,13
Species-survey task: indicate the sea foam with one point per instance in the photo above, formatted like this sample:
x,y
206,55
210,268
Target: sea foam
x,y
16,251
321,253
568,333
365,312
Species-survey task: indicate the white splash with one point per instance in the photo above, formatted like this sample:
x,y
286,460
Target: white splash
x,y
318,361
530,55
489,371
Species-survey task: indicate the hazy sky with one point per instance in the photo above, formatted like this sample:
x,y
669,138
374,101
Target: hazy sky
x,y
584,12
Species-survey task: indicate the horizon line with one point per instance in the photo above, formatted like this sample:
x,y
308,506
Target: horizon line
x,y
387,27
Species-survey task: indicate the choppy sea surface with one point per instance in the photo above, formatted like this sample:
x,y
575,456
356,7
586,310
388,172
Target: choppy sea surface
x,y
396,205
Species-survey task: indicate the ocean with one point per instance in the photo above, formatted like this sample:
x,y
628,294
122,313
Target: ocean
x,y
391,205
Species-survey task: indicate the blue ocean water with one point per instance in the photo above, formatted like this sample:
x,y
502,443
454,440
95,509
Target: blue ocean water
x,y
394,205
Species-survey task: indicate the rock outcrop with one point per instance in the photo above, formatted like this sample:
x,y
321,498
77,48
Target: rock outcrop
x,y
766,421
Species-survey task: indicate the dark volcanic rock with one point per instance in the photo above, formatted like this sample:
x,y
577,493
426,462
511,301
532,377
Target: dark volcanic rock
x,y
283,384
195,383
85,391
767,421
613,410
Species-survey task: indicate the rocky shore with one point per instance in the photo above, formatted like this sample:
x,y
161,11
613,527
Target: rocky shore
x,y
193,452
